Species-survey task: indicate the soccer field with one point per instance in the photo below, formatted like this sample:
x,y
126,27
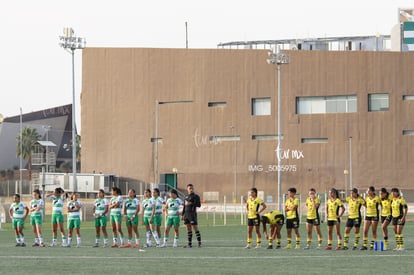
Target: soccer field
x,y
222,253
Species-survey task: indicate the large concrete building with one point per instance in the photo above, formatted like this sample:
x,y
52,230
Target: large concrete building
x,y
209,117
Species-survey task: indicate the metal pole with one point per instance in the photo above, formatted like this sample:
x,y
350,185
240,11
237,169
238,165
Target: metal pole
x,y
186,35
279,141
43,188
156,141
75,184
350,163
21,151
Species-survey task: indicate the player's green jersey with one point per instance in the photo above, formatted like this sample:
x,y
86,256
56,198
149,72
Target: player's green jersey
x,y
57,202
18,210
35,204
100,205
354,207
158,205
75,215
131,206
173,207
148,204
117,210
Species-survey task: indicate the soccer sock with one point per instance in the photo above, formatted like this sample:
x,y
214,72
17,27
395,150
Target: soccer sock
x,y
297,241
165,240
78,240
346,239
357,237
105,240
97,239
17,239
278,242
365,244
259,241
137,240
270,241
156,237
70,240
190,237
41,240
198,235
289,241
329,242
319,241
64,240
249,241
401,240
22,238
373,240
175,241
339,242
129,240
386,241
148,235
54,240
308,241
115,239
36,240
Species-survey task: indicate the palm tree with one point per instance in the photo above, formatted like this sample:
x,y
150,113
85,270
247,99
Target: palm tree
x,y
29,137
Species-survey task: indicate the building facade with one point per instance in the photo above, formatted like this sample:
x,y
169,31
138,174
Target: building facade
x,y
209,117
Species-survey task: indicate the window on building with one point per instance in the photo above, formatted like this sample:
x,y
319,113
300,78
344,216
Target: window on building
x,y
408,132
378,102
326,104
408,97
314,140
217,104
261,106
264,137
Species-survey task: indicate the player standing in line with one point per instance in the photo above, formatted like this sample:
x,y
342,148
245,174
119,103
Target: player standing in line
x,y
100,209
58,197
253,217
292,218
172,208
36,217
276,220
355,202
191,202
372,203
156,216
386,216
399,213
18,212
313,219
73,208
115,206
334,210
131,210
147,205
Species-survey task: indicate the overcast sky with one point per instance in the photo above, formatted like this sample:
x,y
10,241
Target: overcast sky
x,y
35,73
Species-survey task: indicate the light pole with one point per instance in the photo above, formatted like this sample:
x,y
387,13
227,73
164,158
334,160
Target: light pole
x,y
71,43
156,138
235,163
278,58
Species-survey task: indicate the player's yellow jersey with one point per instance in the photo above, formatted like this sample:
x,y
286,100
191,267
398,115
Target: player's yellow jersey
x,y
354,207
397,207
333,208
313,208
253,207
372,205
292,202
386,207
274,216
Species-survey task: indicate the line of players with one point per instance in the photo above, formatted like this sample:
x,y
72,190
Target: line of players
x,y
119,210
393,210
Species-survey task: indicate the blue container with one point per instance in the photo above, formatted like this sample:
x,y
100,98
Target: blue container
x,y
382,245
376,245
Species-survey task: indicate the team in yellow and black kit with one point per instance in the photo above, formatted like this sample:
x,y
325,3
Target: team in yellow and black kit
x,y
292,218
312,218
334,210
276,220
372,202
254,206
399,211
355,202
386,217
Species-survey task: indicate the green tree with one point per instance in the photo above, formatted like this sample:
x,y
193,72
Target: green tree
x,y
29,137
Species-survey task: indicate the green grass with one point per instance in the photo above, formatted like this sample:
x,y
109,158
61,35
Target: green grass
x,y
222,253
